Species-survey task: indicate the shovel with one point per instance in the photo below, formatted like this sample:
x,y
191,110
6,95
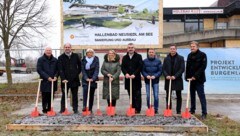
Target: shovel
x,y
187,114
98,113
168,111
110,109
87,112
130,110
66,112
51,112
35,112
150,111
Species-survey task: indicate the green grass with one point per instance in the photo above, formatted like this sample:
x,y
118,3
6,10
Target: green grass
x,y
116,25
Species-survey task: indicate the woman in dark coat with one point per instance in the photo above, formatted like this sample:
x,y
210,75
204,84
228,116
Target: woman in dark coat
x,y
111,69
47,69
90,70
173,68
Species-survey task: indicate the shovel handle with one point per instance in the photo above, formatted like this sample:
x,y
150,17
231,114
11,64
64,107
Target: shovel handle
x,y
188,93
38,91
98,96
169,92
110,90
130,91
150,92
65,90
89,85
52,95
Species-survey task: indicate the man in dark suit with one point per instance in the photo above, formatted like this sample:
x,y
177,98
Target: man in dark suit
x,y
69,65
47,69
173,68
195,70
131,67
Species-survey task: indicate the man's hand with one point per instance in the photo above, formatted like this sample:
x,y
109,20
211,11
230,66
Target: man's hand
x,y
55,79
132,76
148,77
50,79
153,77
127,76
64,81
89,80
193,78
168,77
109,75
173,77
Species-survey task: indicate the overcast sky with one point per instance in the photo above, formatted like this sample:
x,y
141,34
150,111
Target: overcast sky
x,y
54,12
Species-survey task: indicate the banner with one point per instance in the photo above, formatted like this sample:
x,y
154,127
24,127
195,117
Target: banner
x,y
111,22
223,70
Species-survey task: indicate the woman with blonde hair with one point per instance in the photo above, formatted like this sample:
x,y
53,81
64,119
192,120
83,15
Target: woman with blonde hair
x,y
111,70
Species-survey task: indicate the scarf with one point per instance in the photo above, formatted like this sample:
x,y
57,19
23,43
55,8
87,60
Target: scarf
x,y
89,62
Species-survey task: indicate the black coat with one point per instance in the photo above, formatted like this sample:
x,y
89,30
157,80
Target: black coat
x,y
176,70
92,73
196,65
132,66
47,67
69,69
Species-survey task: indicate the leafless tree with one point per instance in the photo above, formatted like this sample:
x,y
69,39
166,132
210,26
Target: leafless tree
x,y
20,21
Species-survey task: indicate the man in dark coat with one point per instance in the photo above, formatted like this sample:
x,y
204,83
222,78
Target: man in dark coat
x,y
173,68
47,69
131,67
195,70
90,71
69,65
152,69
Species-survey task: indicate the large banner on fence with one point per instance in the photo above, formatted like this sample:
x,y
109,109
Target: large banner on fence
x,y
223,70
111,22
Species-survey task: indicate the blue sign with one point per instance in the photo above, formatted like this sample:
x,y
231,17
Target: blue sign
x,y
222,72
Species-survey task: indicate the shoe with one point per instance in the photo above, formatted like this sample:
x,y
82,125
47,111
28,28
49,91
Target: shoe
x,y
76,112
192,112
137,112
204,116
84,109
156,112
178,112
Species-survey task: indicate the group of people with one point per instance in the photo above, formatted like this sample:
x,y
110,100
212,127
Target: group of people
x,y
68,66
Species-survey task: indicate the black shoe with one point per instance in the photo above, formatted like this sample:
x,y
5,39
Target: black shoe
x,y
192,112
137,112
76,112
178,112
204,116
156,112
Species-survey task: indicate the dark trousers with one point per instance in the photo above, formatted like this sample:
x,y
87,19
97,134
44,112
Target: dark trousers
x,y
46,102
113,102
74,91
136,99
199,87
91,99
179,100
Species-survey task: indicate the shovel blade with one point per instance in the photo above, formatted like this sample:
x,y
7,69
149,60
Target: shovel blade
x,y
98,113
110,111
150,112
130,112
186,114
51,113
66,112
167,113
35,112
86,113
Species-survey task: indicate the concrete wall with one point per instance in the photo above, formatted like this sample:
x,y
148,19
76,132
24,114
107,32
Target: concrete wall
x,y
208,24
173,28
232,43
